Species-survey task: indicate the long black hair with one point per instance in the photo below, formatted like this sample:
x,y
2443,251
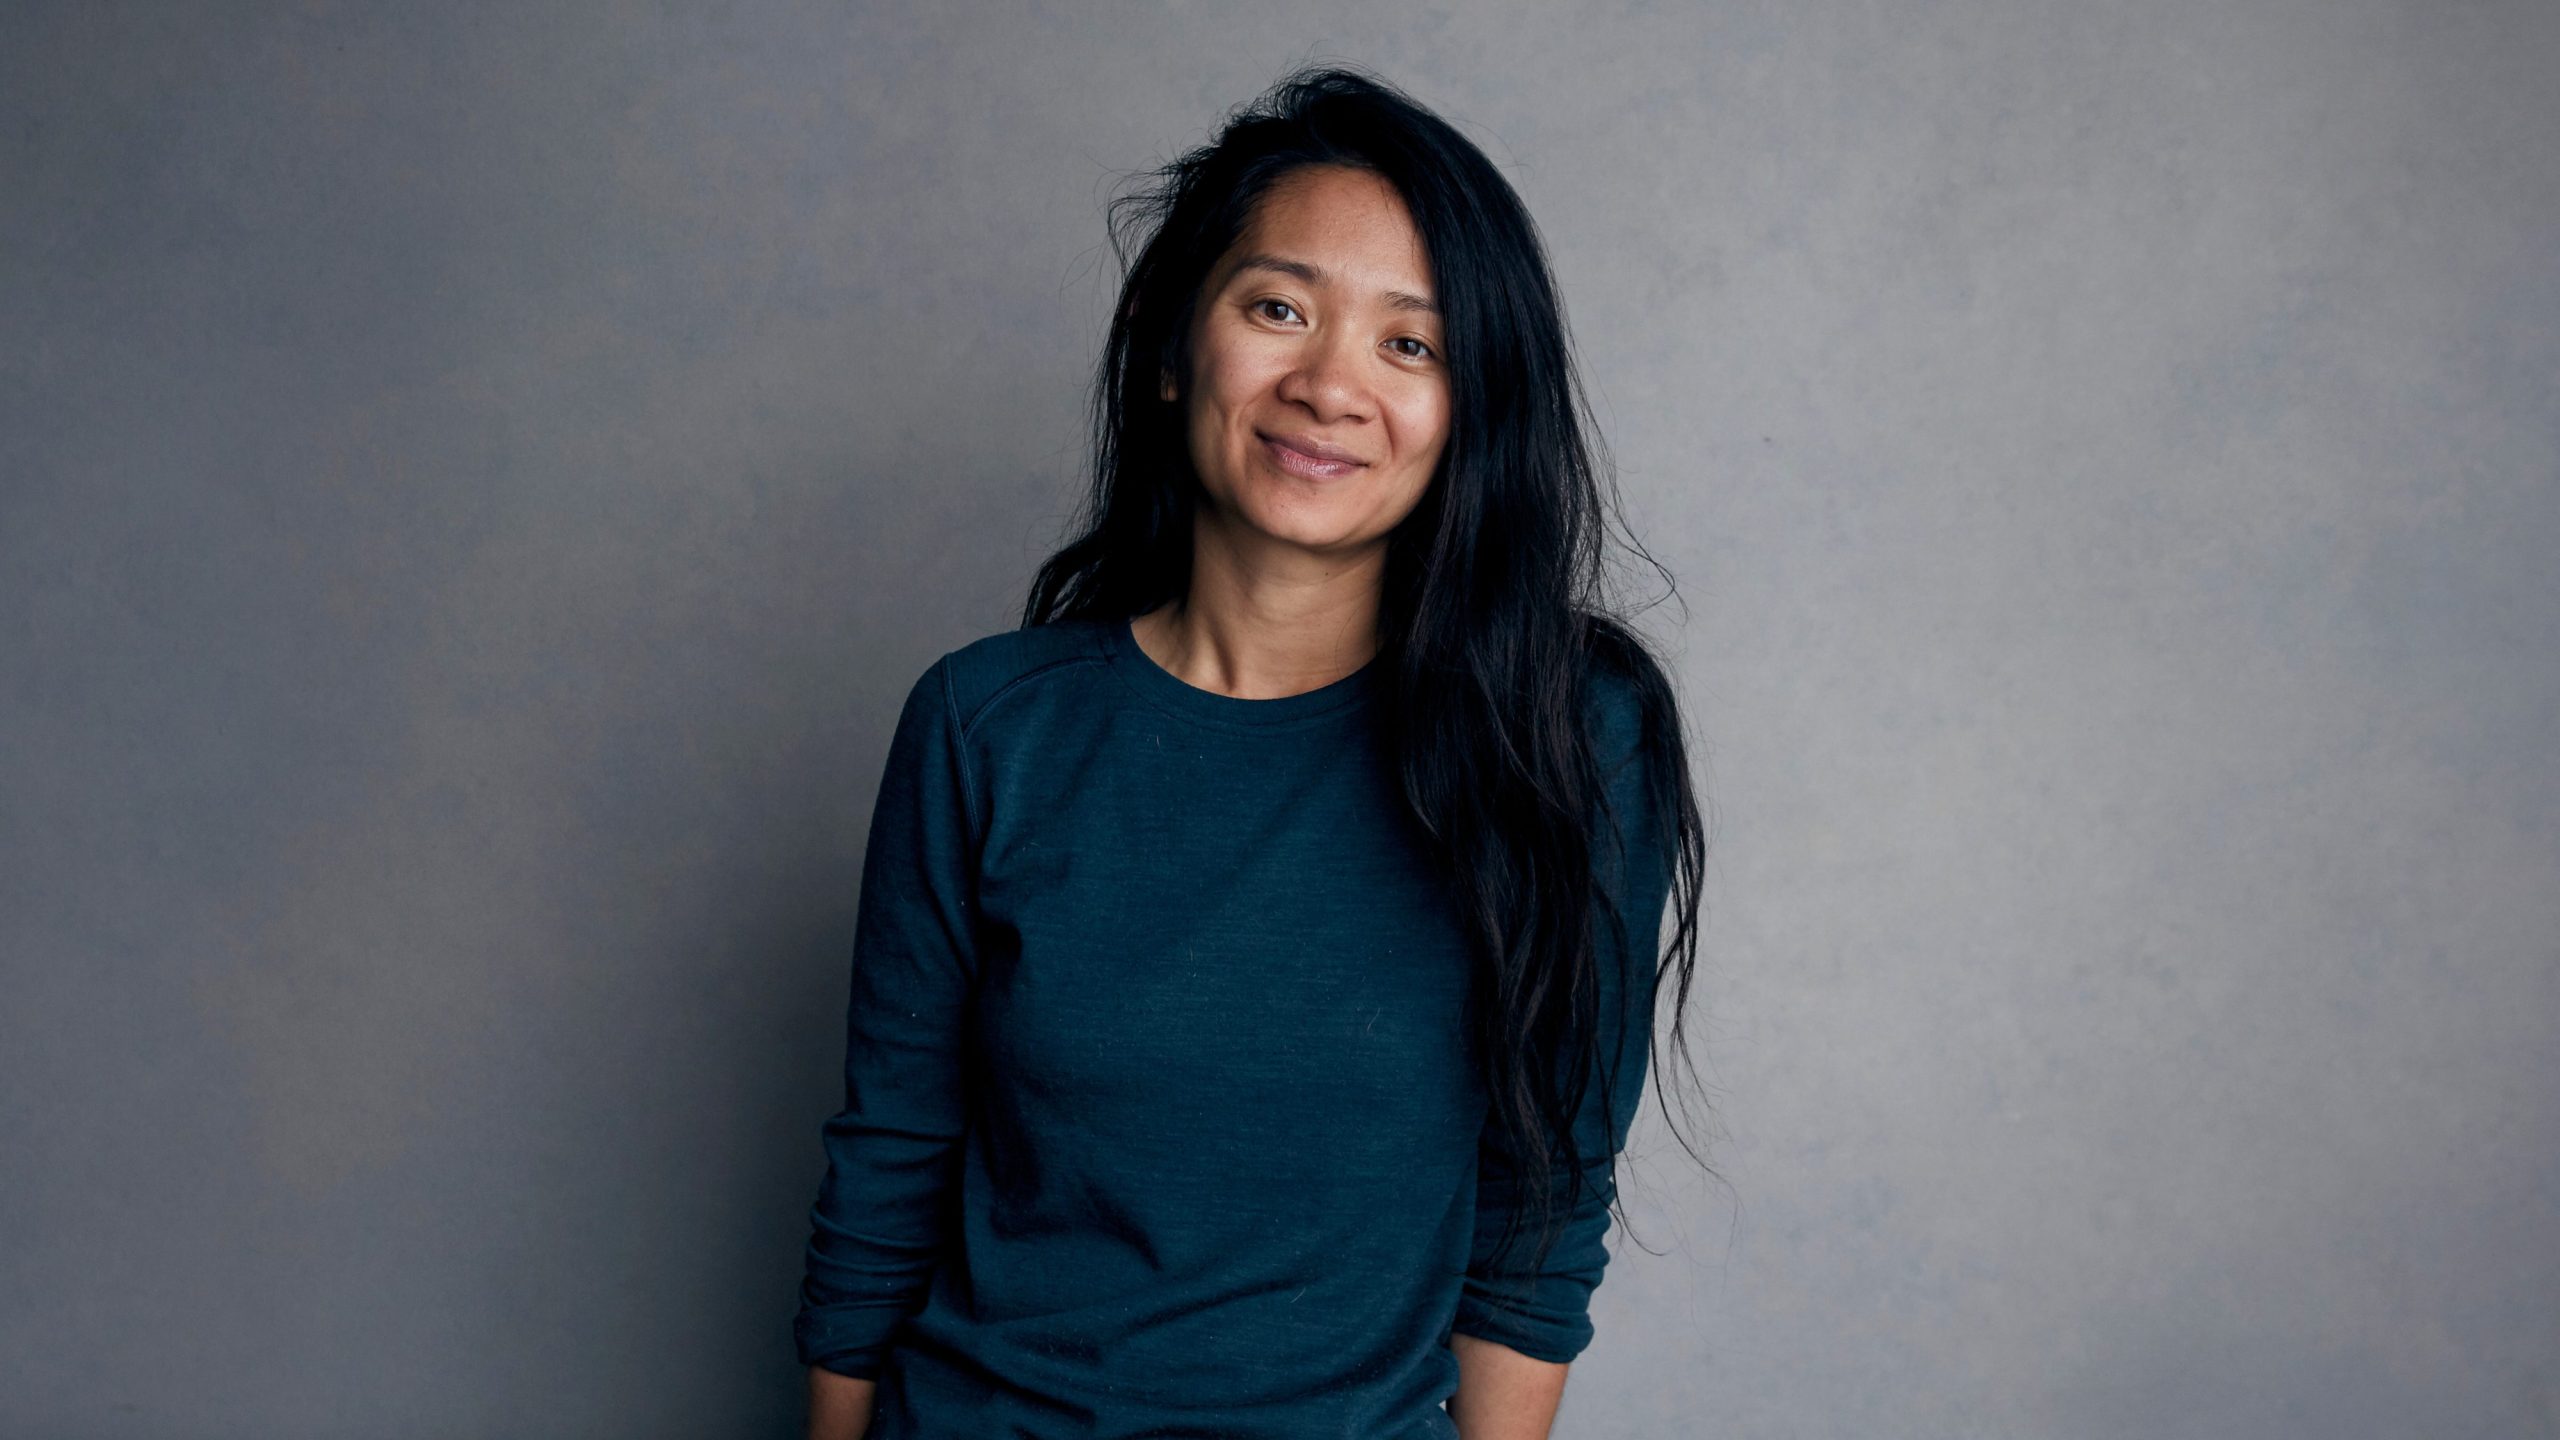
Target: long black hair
x,y
1493,613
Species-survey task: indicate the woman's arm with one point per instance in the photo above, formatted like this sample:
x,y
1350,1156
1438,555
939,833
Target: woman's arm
x,y
1517,1325
880,1225
839,1405
1502,1394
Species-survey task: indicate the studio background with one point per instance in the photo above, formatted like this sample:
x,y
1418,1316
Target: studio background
x,y
476,481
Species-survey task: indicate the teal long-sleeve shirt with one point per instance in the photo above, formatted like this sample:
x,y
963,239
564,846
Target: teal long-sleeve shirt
x,y
1161,1117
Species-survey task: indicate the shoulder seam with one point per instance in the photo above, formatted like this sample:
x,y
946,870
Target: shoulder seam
x,y
960,757
969,725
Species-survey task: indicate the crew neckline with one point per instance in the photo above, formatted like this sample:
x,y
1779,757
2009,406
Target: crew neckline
x,y
1132,662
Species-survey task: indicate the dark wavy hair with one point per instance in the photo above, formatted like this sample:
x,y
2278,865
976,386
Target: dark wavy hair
x,y
1493,611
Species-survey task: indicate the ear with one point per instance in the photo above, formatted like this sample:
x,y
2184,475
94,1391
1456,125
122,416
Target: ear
x,y
1164,386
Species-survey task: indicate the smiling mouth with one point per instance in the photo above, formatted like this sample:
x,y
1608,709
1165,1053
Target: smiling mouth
x,y
1298,462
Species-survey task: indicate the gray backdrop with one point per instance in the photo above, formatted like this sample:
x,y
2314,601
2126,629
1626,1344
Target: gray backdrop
x,y
479,479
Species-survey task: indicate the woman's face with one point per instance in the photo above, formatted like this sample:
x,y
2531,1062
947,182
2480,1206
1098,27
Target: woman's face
x,y
1319,399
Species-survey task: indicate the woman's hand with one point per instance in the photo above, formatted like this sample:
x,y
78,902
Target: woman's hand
x,y
839,1405
1503,1394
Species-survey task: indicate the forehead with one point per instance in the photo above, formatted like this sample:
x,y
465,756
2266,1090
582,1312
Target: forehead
x,y
1346,223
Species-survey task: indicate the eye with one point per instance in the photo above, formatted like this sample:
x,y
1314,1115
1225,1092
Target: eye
x,y
1257,305
1421,351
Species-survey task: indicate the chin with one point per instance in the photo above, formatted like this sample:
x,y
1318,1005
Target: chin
x,y
1330,541
1317,524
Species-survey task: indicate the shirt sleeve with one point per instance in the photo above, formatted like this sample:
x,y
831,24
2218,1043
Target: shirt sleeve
x,y
893,1152
1545,1313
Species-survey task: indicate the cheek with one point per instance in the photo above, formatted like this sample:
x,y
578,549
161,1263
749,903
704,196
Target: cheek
x,y
1214,388
1232,375
1425,422
1210,414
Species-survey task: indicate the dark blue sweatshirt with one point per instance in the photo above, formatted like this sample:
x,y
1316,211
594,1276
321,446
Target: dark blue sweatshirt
x,y
1161,1116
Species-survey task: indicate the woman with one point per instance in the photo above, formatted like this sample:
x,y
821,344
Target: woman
x,y
1255,968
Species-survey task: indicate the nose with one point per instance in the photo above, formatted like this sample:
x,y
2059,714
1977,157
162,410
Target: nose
x,y
1327,378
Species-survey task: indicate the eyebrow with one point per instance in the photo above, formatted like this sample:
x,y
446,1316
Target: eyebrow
x,y
1315,275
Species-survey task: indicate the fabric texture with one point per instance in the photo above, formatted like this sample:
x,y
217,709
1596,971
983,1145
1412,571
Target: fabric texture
x,y
1160,1115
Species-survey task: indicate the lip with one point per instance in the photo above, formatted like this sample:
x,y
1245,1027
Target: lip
x,y
1312,459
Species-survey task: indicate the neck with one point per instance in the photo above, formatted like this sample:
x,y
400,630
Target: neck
x,y
1259,631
